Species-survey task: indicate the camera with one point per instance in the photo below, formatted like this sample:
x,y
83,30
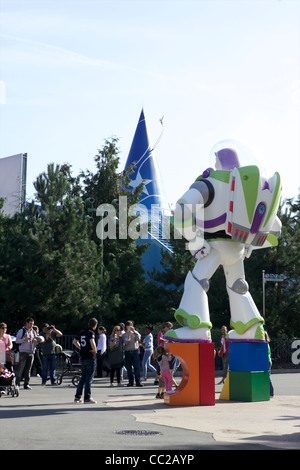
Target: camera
x,y
49,328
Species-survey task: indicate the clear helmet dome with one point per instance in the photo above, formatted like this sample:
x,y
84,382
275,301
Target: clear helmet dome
x,y
230,153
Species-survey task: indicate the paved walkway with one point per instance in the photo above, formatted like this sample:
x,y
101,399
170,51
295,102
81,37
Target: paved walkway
x,y
132,419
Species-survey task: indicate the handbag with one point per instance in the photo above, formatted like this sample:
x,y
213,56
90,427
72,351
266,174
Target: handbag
x,y
116,356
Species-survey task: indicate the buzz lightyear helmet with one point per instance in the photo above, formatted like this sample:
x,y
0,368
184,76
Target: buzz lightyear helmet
x,y
225,155
227,159
228,154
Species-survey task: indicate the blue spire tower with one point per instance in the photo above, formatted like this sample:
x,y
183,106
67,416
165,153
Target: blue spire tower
x,y
141,154
145,170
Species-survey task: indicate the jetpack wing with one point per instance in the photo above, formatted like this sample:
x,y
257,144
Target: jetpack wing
x,y
252,205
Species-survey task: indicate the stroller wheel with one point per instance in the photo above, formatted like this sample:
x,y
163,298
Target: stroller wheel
x,y
59,379
75,380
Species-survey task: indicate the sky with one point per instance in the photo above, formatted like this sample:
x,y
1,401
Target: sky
x,y
76,72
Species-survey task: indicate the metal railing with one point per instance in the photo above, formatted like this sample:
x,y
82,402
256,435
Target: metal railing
x,y
285,352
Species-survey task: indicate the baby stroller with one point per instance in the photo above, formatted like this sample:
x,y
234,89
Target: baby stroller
x,y
7,382
71,366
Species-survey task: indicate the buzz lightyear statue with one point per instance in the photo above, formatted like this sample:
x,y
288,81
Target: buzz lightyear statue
x,y
238,214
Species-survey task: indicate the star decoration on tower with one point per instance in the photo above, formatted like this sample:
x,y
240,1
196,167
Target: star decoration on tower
x,y
138,180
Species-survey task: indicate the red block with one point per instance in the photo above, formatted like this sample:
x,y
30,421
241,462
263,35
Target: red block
x,y
207,373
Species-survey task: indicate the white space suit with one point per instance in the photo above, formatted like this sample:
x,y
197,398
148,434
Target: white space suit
x,y
225,214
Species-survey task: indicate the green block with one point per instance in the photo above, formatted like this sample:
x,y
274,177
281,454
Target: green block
x,y
249,386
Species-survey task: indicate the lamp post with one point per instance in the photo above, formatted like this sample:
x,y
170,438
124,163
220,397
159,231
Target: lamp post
x,y
269,278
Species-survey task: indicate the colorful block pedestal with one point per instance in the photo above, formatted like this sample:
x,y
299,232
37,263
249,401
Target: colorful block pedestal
x,y
249,386
248,357
248,376
197,386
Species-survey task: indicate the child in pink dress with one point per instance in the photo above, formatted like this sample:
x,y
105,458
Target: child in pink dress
x,y
163,359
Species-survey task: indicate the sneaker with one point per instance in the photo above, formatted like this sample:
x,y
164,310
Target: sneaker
x,y
112,385
139,385
27,387
90,400
120,385
129,385
78,400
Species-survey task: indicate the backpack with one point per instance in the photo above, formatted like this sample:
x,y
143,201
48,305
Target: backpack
x,y
16,347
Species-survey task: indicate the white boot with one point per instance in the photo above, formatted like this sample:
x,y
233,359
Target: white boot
x,y
245,317
193,313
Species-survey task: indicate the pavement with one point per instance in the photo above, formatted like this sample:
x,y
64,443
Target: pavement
x,y
132,419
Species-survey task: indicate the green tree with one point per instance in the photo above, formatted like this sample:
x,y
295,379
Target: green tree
x,y
48,260
123,282
283,299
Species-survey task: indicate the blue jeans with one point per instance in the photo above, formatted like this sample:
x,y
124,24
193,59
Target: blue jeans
x,y
24,368
271,384
48,361
88,367
132,360
146,362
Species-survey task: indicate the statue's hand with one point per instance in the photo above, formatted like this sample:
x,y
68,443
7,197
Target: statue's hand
x,y
248,251
202,252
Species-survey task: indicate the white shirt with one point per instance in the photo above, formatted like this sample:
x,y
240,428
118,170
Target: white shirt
x,y
101,344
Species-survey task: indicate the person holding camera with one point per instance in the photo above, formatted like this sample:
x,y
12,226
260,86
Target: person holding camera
x,y
27,340
132,339
50,333
116,355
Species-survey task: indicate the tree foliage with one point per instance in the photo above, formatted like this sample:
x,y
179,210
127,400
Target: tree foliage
x,y
48,271
53,266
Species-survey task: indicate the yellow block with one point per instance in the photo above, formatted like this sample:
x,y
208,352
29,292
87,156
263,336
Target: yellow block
x,y
224,395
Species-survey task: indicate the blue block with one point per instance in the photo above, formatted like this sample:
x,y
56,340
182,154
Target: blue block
x,y
248,357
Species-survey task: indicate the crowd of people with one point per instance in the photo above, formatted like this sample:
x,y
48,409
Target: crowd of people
x,y
34,347
118,355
